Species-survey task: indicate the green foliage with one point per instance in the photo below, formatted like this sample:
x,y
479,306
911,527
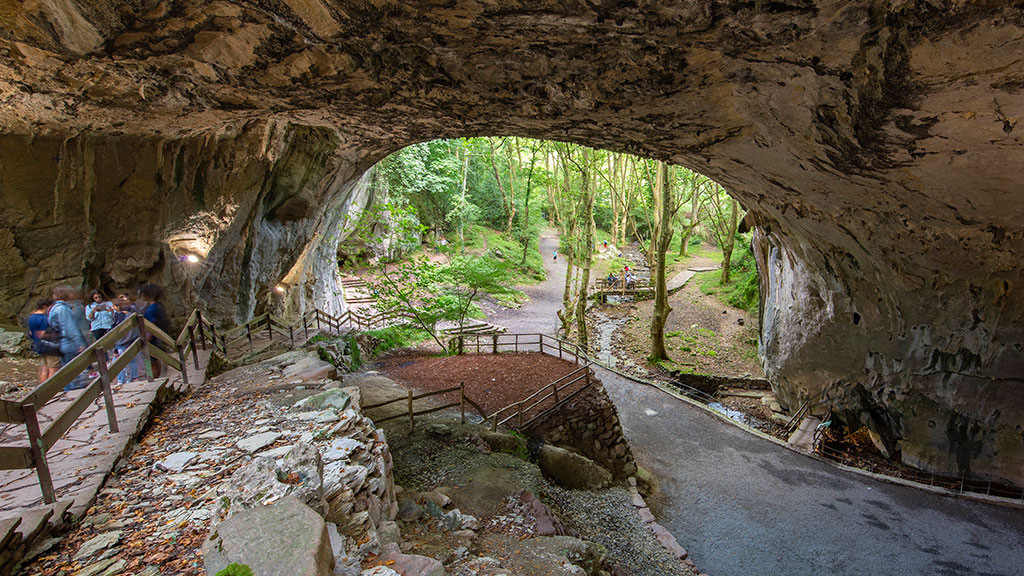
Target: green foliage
x,y
235,569
743,290
496,245
400,336
429,292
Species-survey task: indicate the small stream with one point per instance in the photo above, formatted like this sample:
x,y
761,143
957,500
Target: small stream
x,y
733,414
606,328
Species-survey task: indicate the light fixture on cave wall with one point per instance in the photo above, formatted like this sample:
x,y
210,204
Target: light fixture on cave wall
x,y
190,252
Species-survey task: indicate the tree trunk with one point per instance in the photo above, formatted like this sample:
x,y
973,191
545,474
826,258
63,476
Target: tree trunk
x,y
586,251
660,239
729,242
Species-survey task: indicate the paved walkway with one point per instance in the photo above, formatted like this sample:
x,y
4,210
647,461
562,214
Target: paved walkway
x,y
744,506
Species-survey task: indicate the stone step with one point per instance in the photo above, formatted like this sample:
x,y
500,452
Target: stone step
x,y
8,530
803,436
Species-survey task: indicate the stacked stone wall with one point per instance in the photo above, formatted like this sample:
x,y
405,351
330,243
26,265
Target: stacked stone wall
x,y
589,424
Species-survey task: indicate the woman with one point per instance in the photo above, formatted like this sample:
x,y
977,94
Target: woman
x,y
100,315
72,341
48,351
153,311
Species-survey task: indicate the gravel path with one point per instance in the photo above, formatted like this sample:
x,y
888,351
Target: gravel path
x,y
742,505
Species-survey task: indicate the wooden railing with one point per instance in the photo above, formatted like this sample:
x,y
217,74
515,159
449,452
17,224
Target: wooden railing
x,y
26,410
521,409
412,413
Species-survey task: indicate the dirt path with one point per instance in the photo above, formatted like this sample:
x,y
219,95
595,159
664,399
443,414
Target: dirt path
x,y
540,312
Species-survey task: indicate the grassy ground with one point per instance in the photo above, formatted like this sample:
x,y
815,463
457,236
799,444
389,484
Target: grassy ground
x,y
482,240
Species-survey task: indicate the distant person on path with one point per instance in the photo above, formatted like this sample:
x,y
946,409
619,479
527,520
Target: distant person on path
x,y
153,311
61,315
554,254
100,314
47,348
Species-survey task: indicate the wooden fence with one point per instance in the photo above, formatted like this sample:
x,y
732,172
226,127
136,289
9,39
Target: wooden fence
x,y
412,413
26,410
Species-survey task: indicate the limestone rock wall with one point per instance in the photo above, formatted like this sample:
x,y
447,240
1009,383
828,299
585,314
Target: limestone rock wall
x,y
260,202
875,142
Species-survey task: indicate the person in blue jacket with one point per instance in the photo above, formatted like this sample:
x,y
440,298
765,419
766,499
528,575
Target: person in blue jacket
x,y
72,341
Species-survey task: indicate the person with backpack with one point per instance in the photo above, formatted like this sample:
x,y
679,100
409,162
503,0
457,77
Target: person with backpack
x,y
61,316
45,342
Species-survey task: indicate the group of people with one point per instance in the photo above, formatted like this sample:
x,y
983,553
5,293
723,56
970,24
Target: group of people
x,y
628,280
62,326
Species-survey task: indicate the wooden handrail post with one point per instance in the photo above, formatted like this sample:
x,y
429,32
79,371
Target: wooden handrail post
x,y
554,391
270,327
519,409
559,349
184,366
494,344
494,424
108,396
317,315
248,332
586,376
305,328
291,335
202,331
462,400
195,353
35,443
147,357
412,419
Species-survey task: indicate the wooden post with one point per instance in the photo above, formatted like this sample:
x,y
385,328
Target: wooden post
x,y
412,419
494,424
586,376
147,357
202,331
554,391
317,319
462,400
559,349
195,353
517,342
35,443
494,343
270,327
291,335
305,328
248,332
519,409
108,396
184,366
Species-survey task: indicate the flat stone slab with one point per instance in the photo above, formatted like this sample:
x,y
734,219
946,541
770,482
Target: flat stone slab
x,y
258,442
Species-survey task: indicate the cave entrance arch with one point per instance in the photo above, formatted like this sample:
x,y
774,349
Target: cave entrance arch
x,y
872,141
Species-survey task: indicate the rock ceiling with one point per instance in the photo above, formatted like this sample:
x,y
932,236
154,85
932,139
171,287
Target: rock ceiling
x,y
876,143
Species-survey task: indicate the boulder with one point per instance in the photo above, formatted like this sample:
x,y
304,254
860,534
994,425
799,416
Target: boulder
x,y
572,470
413,565
285,538
263,481
12,343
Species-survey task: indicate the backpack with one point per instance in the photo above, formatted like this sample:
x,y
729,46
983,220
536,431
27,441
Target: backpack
x,y
49,343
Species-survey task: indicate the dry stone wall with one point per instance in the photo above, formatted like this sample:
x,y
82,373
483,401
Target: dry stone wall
x,y
590,424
